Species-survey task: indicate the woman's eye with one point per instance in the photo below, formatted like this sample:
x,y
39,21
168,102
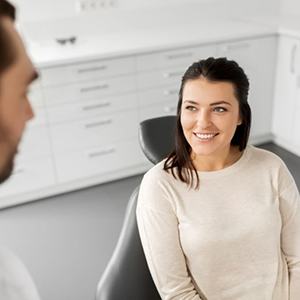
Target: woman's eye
x,y
191,108
220,109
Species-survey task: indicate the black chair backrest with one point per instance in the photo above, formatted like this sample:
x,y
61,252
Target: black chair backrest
x,y
127,276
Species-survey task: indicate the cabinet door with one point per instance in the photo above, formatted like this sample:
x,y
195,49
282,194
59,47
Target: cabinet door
x,y
285,89
258,58
159,78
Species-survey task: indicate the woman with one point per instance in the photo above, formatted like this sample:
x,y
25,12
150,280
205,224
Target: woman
x,y
220,219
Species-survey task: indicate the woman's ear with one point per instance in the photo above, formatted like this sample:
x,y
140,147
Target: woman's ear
x,y
239,121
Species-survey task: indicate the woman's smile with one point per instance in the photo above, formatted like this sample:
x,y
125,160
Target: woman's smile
x,y
205,137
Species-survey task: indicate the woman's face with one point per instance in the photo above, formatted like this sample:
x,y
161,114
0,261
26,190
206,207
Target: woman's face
x,y
209,116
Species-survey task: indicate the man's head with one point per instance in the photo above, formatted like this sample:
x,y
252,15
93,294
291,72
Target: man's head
x,y
16,74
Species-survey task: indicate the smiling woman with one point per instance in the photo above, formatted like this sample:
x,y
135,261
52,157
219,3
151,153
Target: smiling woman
x,y
219,219
213,118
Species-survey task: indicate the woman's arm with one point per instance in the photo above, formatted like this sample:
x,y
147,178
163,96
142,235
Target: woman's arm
x,y
158,227
290,235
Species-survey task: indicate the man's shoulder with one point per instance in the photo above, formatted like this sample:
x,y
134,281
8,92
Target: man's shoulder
x,y
15,279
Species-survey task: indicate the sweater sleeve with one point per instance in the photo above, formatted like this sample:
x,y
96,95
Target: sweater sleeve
x,y
158,228
290,235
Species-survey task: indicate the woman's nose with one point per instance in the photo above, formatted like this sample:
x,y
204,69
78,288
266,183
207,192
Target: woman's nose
x,y
203,119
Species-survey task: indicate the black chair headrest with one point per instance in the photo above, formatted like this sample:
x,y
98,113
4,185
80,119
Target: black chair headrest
x,y
157,137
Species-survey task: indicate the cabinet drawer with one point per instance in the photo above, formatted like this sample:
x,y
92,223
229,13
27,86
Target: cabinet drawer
x,y
90,108
89,90
94,132
35,142
29,176
87,71
168,76
238,51
96,161
183,56
158,110
159,95
245,52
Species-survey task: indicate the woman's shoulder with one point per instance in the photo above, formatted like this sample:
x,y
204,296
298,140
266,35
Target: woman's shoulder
x,y
157,173
156,189
265,156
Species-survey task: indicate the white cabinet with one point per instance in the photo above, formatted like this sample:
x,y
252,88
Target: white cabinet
x,y
159,78
286,113
104,159
87,71
258,59
29,175
92,109
88,113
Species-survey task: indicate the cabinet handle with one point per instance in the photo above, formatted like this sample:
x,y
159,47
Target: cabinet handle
x,y
169,109
179,55
95,106
101,152
94,88
92,69
99,123
170,92
293,55
173,74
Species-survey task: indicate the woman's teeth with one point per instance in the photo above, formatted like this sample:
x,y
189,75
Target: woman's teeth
x,y
205,136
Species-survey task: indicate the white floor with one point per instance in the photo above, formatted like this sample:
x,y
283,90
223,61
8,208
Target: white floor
x,y
66,241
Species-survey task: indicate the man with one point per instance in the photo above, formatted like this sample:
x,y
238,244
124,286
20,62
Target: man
x,y
16,74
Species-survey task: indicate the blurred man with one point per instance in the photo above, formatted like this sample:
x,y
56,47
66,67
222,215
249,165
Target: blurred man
x,y
16,74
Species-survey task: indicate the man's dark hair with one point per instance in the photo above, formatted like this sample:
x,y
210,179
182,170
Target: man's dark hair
x,y
7,54
212,69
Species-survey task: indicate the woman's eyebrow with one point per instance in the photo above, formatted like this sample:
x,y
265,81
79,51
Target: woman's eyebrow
x,y
211,104
191,102
220,102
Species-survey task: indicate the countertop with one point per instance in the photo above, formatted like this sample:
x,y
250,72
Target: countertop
x,y
123,33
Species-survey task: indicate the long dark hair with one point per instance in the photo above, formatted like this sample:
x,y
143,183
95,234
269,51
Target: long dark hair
x,y
213,69
7,52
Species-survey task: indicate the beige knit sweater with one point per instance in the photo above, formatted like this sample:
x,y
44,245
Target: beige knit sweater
x,y
236,238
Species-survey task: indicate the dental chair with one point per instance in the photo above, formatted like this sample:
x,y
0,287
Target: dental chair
x,y
127,276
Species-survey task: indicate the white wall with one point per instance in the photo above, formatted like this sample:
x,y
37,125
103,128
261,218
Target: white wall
x,y
32,10
290,7
36,10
